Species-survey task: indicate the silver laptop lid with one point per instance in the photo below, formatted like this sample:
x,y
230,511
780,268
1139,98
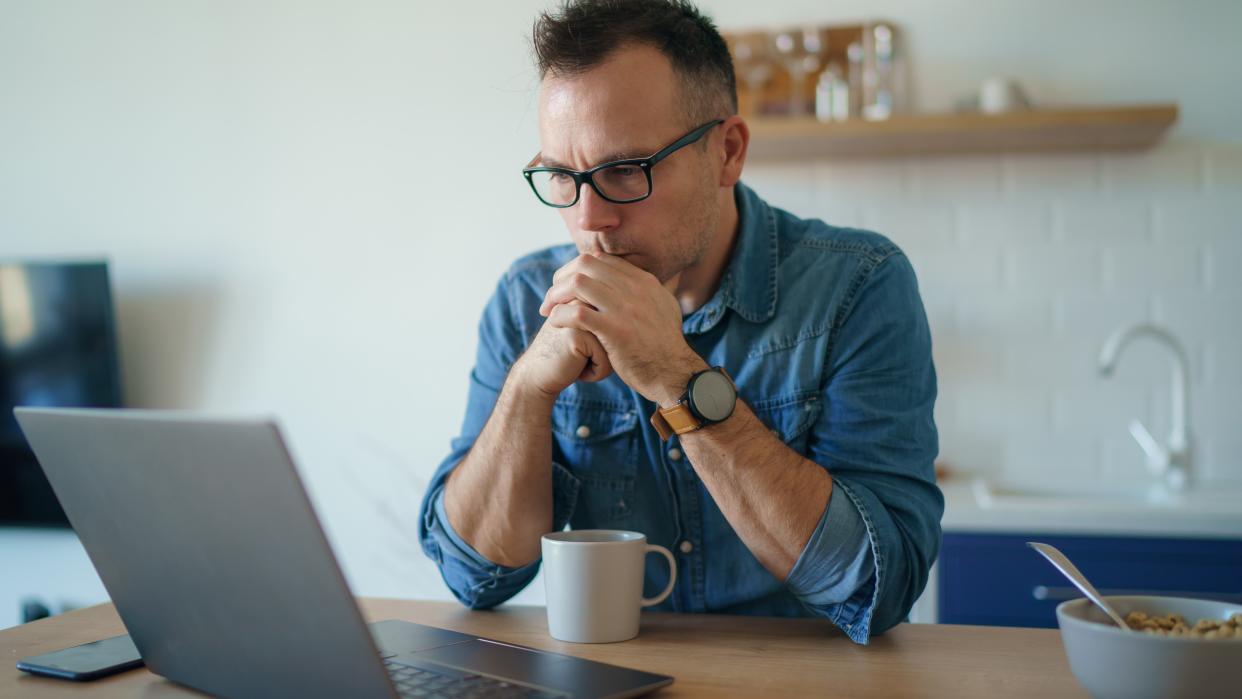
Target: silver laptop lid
x,y
204,538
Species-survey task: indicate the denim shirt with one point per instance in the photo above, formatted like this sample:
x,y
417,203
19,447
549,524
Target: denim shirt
x,y
824,333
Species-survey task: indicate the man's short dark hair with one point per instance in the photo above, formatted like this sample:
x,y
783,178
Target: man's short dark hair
x,y
583,33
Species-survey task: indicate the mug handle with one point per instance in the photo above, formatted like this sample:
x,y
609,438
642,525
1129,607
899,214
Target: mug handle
x,y
672,574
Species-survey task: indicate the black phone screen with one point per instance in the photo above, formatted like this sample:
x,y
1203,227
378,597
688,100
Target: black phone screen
x,y
87,661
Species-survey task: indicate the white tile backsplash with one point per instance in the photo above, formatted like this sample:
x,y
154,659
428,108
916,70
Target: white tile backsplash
x,y
1223,360
1039,176
1005,224
1027,263
1047,361
1102,407
1052,457
1094,315
914,226
861,180
1191,313
1220,264
1076,267
966,358
1084,221
1206,218
960,270
1019,315
1025,410
1137,268
1224,169
956,179
1171,168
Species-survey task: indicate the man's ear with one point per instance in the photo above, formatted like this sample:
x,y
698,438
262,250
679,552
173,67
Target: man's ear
x,y
736,140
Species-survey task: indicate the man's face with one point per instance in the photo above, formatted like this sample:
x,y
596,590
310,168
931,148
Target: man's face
x,y
629,107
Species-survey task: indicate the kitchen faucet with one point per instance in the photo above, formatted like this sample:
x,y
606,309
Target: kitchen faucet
x,y
1172,461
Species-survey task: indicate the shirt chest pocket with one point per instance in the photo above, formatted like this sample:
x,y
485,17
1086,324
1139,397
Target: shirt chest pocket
x,y
599,445
790,418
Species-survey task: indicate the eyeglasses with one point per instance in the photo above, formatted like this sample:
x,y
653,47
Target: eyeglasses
x,y
620,181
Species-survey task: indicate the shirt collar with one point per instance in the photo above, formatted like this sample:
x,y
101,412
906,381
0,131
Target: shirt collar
x,y
748,285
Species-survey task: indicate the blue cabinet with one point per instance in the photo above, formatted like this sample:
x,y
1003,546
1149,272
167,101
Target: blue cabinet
x,y
996,579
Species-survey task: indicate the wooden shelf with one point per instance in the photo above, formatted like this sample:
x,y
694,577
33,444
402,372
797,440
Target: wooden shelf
x,y
1113,128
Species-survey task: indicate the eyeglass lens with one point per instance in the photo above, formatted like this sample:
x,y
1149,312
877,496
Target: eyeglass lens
x,y
618,182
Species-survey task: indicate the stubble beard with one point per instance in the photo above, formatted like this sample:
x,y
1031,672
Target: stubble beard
x,y
689,251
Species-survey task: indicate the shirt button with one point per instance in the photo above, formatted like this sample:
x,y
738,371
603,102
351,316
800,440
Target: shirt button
x,y
583,431
775,433
686,547
674,454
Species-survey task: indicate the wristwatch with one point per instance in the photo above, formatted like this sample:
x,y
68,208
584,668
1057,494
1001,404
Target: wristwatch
x,y
709,398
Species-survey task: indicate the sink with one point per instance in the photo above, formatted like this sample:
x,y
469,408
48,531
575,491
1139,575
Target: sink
x,y
993,504
991,494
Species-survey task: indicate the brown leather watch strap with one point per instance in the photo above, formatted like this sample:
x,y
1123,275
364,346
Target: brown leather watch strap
x,y
674,420
678,419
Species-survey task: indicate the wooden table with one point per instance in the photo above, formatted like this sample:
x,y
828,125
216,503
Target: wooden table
x,y
709,655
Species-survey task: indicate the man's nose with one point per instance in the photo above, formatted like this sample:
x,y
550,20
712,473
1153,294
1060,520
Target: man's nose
x,y
596,213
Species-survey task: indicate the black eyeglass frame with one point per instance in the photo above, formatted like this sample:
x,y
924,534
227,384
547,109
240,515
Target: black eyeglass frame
x,y
644,164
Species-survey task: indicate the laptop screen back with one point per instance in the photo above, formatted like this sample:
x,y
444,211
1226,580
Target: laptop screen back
x,y
204,538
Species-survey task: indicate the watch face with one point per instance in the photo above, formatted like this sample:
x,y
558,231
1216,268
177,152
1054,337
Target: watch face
x,y
712,396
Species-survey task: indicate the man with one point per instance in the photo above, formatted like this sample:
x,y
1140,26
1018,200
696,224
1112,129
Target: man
x,y
808,492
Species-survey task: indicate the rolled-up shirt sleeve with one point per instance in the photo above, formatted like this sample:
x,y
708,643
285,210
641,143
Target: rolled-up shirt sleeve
x,y
836,564
869,557
474,580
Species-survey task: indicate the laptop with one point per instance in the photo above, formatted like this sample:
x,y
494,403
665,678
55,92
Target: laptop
x,y
205,539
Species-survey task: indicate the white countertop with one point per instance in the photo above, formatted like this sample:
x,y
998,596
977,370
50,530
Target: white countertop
x,y
1214,513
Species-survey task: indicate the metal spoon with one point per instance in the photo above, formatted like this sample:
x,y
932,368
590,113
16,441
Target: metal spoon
x,y
1069,570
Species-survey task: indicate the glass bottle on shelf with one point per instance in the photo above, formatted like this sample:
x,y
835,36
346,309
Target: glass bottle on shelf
x,y
832,95
800,51
882,96
855,54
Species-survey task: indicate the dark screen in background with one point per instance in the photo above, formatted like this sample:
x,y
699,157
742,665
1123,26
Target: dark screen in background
x,y
57,348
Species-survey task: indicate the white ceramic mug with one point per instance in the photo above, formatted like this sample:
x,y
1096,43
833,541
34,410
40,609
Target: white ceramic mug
x,y
1001,95
594,583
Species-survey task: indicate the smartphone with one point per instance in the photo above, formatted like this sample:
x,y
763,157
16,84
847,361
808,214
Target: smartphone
x,y
85,662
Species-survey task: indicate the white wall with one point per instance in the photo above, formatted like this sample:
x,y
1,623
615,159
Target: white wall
x,y
306,205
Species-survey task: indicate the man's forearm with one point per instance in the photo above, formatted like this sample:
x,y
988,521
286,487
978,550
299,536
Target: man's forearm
x,y
499,498
772,496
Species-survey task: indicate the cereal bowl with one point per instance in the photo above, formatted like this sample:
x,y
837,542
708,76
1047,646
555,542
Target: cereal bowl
x,y
1113,663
